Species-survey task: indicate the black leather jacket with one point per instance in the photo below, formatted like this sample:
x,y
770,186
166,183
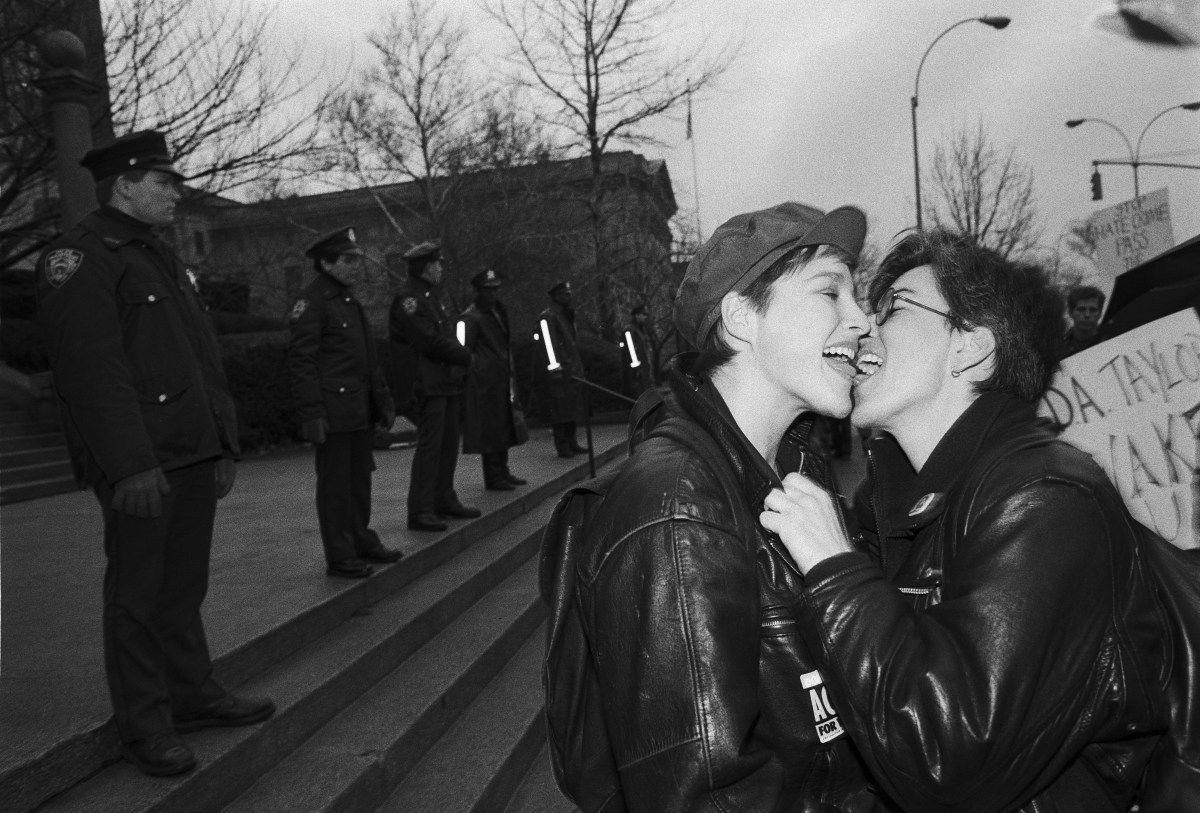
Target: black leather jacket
x,y
712,700
1017,666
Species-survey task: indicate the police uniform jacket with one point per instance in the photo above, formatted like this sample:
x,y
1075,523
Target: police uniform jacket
x,y
558,391
712,698
428,356
487,414
136,362
1017,665
332,361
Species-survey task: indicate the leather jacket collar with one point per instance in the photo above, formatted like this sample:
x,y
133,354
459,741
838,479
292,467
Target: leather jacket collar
x,y
911,500
696,398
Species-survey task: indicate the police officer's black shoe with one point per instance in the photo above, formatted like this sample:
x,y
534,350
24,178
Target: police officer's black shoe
x,y
159,755
515,480
566,451
230,710
459,511
384,555
349,569
500,485
425,521
577,449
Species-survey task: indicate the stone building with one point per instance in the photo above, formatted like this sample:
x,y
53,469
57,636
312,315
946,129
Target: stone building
x,y
533,224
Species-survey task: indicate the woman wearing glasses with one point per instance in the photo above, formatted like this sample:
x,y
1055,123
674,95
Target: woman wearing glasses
x,y
994,642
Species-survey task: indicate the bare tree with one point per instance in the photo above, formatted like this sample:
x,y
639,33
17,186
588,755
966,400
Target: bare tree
x,y
604,71
408,117
984,192
238,110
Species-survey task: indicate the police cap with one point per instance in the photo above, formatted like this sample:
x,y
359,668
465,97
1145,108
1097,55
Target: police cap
x,y
146,149
486,279
423,252
335,244
563,286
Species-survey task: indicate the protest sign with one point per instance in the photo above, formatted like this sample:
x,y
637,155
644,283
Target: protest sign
x,y
1133,404
1128,234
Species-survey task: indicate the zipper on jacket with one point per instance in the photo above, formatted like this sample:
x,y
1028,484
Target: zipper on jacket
x,y
880,531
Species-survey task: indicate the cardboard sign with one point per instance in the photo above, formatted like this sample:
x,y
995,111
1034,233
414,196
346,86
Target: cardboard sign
x,y
1133,404
1128,234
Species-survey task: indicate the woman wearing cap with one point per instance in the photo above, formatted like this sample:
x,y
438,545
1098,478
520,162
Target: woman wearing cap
x,y
1001,648
688,604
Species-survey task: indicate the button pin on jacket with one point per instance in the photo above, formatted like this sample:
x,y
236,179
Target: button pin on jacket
x,y
926,503
162,398
151,298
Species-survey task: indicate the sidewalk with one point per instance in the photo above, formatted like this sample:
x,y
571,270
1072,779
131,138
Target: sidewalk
x,y
267,565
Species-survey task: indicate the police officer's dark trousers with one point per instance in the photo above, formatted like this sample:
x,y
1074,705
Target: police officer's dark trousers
x,y
344,465
155,653
431,486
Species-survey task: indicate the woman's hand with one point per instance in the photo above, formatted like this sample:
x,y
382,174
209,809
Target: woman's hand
x,y
806,519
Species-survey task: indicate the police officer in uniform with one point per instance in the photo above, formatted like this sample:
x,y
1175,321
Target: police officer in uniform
x,y
489,426
637,353
152,430
556,363
340,394
430,356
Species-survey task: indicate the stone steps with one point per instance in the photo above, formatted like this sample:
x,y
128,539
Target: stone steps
x,y
429,668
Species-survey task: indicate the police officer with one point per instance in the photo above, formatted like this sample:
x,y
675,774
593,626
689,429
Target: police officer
x,y
556,364
430,356
637,353
152,430
340,394
489,426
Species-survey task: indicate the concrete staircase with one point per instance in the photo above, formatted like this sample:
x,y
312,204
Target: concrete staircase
x,y
33,450
418,689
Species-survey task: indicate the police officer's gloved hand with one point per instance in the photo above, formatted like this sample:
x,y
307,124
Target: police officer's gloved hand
x,y
314,430
141,494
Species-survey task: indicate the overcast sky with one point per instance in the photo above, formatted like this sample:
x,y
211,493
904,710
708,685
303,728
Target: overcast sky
x,y
816,109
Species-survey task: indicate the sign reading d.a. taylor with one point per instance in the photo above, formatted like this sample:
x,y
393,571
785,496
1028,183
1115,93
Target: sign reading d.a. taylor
x,y
1133,403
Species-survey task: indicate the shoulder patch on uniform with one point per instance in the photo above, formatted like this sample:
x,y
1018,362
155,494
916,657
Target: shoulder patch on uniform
x,y
409,303
61,264
298,310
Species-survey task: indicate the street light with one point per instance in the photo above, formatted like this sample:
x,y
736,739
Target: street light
x,y
997,23
1135,153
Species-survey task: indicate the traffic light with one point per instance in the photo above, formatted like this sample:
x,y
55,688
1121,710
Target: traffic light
x,y
1097,192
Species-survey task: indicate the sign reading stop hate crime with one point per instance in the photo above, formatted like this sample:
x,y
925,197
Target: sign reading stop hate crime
x,y
1133,404
1128,234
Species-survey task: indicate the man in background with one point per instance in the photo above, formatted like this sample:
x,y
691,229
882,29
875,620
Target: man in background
x,y
429,354
152,430
489,425
556,364
340,395
1084,303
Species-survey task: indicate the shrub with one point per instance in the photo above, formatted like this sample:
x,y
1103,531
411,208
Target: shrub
x,y
256,366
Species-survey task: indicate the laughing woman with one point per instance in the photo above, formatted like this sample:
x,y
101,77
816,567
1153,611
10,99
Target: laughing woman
x,y
999,649
687,603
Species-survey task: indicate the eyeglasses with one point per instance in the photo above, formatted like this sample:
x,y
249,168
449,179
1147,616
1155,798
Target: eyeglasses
x,y
888,304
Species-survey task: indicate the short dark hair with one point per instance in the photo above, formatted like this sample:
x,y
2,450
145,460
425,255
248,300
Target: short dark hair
x,y
1082,292
715,352
104,186
1014,300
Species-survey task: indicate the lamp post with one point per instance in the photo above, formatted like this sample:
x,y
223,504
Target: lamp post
x,y
997,23
1135,152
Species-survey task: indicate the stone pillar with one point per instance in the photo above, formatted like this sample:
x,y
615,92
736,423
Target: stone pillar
x,y
68,93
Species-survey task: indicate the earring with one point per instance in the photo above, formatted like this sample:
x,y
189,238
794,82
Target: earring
x,y
956,373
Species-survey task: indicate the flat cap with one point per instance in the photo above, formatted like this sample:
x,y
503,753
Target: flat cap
x,y
486,279
562,286
342,241
427,251
146,149
745,246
